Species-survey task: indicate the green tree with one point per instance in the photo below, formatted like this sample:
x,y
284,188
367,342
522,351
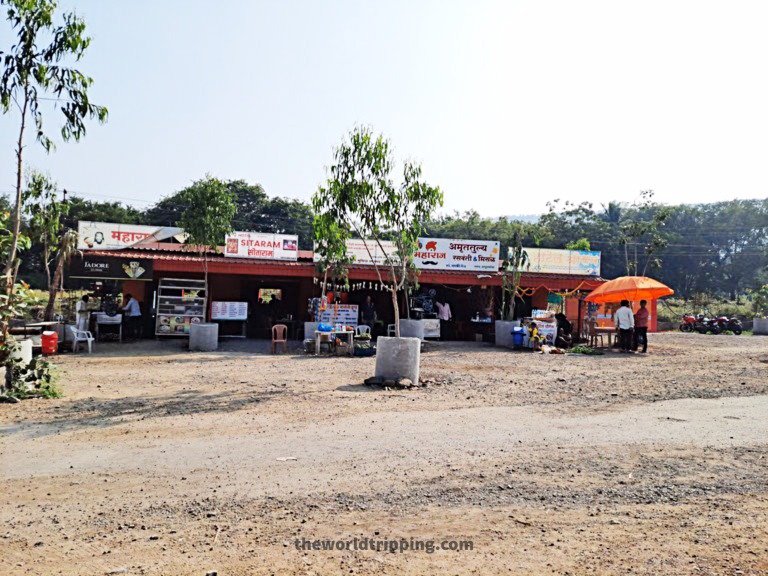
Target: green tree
x,y
580,244
207,217
255,212
32,68
360,198
45,213
512,273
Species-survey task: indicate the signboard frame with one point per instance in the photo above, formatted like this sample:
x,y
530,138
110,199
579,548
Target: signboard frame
x,y
456,254
262,246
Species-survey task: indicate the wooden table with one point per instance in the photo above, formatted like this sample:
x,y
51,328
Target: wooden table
x,y
609,330
350,334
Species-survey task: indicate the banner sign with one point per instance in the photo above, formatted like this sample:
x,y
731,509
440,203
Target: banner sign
x,y
229,310
550,261
112,236
345,314
450,254
110,268
356,249
264,246
359,252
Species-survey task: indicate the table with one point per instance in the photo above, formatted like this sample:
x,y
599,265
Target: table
x,y
350,334
107,320
31,328
609,330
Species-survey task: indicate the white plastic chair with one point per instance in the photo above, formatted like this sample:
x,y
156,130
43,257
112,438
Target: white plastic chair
x,y
81,336
391,330
362,329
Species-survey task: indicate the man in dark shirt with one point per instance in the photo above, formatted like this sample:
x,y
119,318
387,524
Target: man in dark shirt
x,y
369,312
641,327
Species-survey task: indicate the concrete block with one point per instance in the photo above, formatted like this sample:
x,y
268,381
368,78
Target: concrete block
x,y
411,328
398,358
204,337
504,332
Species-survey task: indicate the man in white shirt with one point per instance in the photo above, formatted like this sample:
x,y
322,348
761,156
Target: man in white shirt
x,y
625,323
445,316
133,317
83,315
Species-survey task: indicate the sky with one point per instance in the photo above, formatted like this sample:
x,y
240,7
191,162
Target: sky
x,y
508,105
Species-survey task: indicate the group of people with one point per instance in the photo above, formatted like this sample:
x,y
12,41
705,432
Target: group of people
x,y
632,327
563,339
131,316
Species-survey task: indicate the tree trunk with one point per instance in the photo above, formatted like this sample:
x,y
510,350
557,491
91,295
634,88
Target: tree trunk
x,y
9,275
397,312
53,286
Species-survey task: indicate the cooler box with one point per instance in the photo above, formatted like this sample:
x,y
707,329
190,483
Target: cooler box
x,y
49,342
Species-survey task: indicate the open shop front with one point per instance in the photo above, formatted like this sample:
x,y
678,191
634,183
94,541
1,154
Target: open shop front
x,y
108,280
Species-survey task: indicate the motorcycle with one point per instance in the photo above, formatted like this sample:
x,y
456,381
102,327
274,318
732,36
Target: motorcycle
x,y
731,324
688,323
704,325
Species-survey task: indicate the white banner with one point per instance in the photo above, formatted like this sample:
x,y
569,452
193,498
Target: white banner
x,y
450,254
264,246
357,251
345,314
229,310
552,261
113,236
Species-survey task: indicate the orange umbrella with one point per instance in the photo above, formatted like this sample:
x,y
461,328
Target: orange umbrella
x,y
632,288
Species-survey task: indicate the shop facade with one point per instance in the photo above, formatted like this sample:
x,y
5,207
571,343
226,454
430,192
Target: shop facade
x,y
262,292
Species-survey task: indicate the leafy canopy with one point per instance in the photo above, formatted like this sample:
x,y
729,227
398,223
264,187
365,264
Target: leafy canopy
x,y
361,199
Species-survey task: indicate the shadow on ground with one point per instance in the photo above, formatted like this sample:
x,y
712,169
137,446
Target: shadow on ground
x,y
93,413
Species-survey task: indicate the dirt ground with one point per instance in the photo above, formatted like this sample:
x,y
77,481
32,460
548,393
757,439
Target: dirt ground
x,y
160,461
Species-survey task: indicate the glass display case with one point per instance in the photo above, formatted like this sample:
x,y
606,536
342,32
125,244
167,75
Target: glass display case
x,y
180,303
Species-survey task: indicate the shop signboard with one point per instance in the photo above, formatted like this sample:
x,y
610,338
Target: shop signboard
x,y
551,261
229,310
113,236
548,331
110,268
262,246
345,314
452,254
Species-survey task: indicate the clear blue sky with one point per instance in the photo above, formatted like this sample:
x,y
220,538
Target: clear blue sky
x,y
507,104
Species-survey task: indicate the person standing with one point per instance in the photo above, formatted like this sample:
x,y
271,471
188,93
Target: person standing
x,y
83,315
369,312
625,322
445,315
640,335
133,320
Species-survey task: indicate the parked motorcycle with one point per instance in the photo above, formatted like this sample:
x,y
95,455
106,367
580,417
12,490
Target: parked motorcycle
x,y
732,324
704,325
688,323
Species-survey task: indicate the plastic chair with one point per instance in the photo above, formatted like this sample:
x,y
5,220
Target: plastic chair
x,y
279,336
81,336
391,330
362,329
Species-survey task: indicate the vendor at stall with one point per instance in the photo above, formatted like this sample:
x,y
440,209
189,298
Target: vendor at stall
x,y
133,317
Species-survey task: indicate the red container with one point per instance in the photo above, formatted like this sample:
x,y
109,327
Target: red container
x,y
50,342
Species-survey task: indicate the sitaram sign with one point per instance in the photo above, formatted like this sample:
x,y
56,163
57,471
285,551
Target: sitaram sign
x,y
451,254
263,246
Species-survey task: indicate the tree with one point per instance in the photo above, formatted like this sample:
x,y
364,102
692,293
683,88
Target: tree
x,y
516,261
32,68
360,198
580,244
45,213
207,217
255,212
